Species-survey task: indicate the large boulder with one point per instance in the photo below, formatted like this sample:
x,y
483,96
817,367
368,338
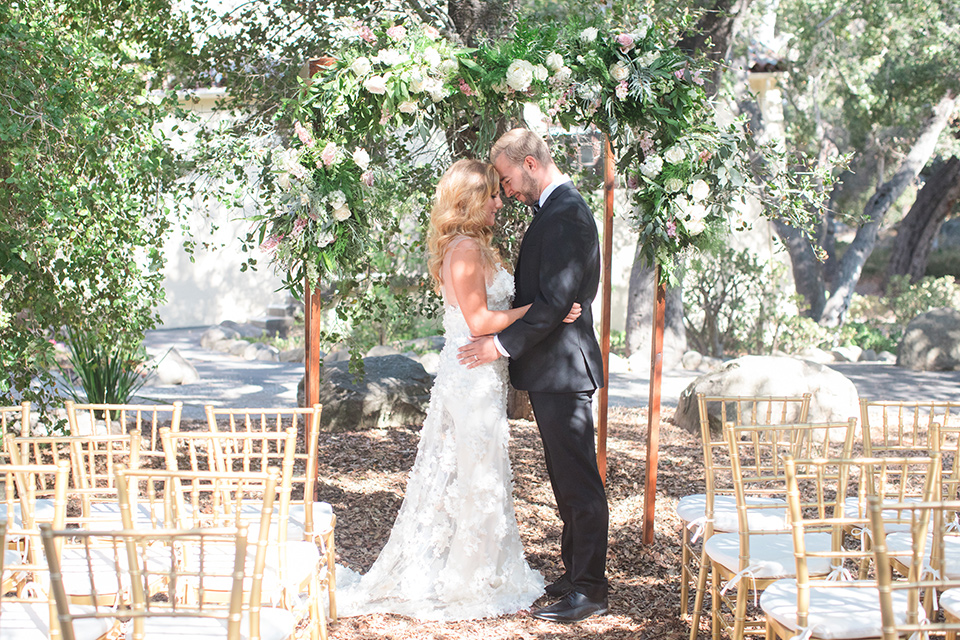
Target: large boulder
x,y
171,368
394,392
833,396
931,342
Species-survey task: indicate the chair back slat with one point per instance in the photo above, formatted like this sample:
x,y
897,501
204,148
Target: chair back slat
x,y
103,419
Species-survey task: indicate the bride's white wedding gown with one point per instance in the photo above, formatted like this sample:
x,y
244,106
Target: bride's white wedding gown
x,y
454,552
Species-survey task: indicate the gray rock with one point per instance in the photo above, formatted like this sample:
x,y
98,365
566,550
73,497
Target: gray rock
x,y
834,396
847,354
381,350
244,330
430,362
239,347
296,354
268,353
886,356
813,354
413,355
691,360
709,363
394,392
868,355
338,355
931,342
215,335
172,368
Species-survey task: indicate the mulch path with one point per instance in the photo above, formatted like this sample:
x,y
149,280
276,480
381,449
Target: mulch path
x,y
363,475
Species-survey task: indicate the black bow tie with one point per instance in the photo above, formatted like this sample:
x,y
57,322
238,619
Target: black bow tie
x,y
536,208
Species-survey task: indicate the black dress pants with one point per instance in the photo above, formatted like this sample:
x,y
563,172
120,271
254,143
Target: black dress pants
x,y
565,421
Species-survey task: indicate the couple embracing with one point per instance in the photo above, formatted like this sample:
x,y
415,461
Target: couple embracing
x,y
454,552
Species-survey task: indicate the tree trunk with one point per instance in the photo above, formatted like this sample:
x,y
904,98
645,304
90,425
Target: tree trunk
x,y
713,35
475,17
848,272
918,229
640,307
807,268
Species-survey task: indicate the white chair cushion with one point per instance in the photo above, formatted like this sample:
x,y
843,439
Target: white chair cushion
x,y
950,602
302,560
771,556
43,511
77,577
296,522
275,624
31,621
106,515
900,544
852,510
835,613
691,508
11,557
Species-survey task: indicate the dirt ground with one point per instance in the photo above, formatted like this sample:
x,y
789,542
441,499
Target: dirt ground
x,y
363,476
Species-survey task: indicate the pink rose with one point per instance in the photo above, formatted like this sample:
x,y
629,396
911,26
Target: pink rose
x,y
305,136
367,34
696,77
625,40
671,229
431,32
397,32
329,154
367,177
465,88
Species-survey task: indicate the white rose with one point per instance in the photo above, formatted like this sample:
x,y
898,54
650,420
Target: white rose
x,y
375,84
341,213
643,24
696,212
520,75
392,57
432,57
337,199
652,166
554,61
698,190
361,66
589,34
435,88
649,58
694,227
361,158
408,106
325,238
563,75
674,155
673,185
284,180
417,83
619,71
540,72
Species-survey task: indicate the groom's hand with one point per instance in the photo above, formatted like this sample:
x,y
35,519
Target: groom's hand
x,y
480,351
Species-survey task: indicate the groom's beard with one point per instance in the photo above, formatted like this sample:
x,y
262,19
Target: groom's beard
x,y
528,193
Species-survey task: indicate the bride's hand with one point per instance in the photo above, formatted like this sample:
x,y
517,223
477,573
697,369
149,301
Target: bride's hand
x,y
573,314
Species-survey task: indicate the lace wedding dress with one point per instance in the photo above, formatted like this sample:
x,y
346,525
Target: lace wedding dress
x,y
454,552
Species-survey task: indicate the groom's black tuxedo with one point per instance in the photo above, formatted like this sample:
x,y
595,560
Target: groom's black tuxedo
x,y
559,264
560,365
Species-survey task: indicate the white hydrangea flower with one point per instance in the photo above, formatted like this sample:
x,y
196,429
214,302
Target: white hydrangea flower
x,y
673,185
336,199
436,90
554,61
652,166
361,66
675,154
520,75
619,71
589,34
699,190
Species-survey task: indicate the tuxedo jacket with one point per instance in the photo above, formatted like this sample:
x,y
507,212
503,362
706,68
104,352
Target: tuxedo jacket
x,y
558,264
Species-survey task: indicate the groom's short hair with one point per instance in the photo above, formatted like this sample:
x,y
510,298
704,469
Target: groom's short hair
x,y
519,143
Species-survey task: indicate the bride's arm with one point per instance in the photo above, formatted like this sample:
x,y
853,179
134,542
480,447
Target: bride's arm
x,y
469,285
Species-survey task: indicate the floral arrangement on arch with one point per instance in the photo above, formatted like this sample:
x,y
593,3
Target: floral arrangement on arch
x,y
683,170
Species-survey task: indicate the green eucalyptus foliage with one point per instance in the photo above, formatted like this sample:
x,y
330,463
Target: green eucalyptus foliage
x,y
82,177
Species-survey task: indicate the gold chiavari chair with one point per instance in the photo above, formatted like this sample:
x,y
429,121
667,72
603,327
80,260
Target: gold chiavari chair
x,y
715,510
113,419
760,551
815,608
309,519
172,616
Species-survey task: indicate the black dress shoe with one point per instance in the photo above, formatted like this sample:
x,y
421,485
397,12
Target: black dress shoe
x,y
574,607
561,587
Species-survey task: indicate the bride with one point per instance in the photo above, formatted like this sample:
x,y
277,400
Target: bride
x,y
454,552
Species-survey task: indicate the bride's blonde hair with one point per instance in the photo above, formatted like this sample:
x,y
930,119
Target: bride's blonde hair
x,y
458,210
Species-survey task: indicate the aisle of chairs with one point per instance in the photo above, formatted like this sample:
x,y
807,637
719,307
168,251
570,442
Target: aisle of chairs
x,y
824,530
131,527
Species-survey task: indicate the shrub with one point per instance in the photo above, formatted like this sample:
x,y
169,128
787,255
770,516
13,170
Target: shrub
x,y
907,300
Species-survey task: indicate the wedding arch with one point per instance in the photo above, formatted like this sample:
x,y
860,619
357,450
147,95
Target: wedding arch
x,y
391,83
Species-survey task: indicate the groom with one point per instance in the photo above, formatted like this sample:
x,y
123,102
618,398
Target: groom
x,y
558,364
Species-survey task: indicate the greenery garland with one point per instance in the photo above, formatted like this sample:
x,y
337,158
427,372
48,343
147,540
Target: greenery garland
x,y
685,171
